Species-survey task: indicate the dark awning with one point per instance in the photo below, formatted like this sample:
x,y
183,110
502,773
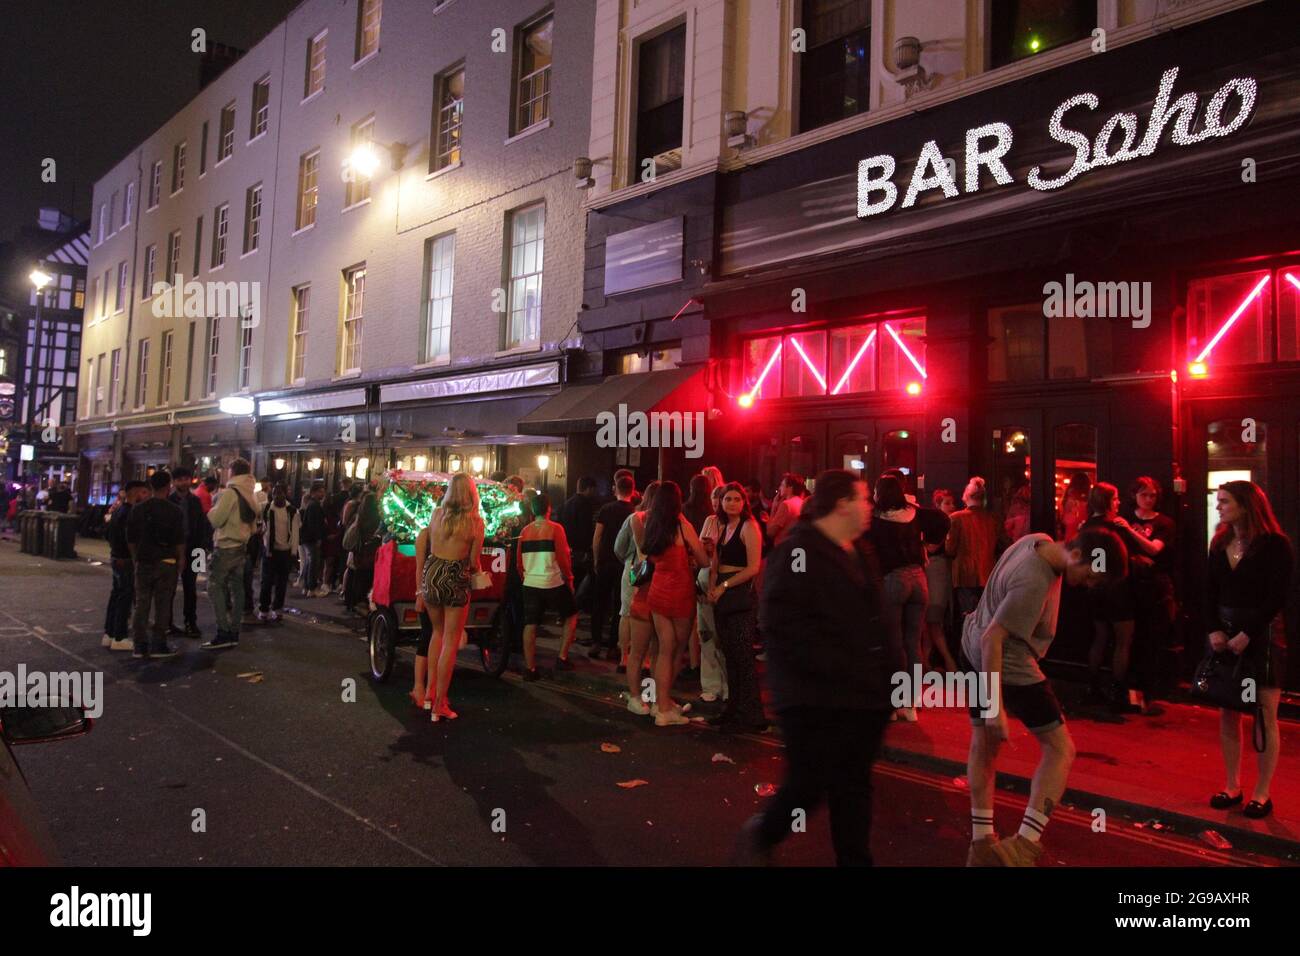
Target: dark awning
x,y
575,408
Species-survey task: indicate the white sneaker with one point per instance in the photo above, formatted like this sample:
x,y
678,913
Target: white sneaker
x,y
263,617
273,616
708,698
106,641
673,718
637,706
123,645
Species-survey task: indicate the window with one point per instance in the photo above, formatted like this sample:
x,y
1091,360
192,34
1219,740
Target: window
x,y
1016,343
649,360
198,245
178,168
96,297
298,345
1022,28
226,137
368,15
203,150
220,230
165,384
155,184
214,354
308,166
449,94
112,213
837,361
661,86
253,218
358,183
1288,313
103,222
65,291
1230,319
99,385
354,286
533,86
173,256
315,65
1074,447
128,201
150,270
119,302
524,310
79,296
439,258
142,374
1011,490
114,378
835,71
245,351
261,107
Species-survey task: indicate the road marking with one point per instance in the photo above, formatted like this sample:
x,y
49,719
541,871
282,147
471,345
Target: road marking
x,y
246,753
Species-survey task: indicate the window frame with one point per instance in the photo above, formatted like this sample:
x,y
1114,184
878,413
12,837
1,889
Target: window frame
x,y
226,133
178,167
301,299
320,38
441,83
517,102
301,210
360,51
252,219
427,353
141,373
352,317
508,340
263,111
165,368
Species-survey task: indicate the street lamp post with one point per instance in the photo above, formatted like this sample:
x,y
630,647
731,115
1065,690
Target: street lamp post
x,y
40,280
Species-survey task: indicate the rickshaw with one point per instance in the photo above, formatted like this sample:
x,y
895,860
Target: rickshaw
x,y
407,500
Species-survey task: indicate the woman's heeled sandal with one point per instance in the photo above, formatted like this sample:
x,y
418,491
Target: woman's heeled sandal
x,y
1222,800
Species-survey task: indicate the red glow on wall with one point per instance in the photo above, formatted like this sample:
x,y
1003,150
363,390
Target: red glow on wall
x,y
854,364
913,388
747,399
808,362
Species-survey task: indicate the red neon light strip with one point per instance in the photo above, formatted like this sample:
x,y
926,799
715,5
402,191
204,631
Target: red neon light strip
x,y
1293,280
854,364
767,368
807,361
1233,318
906,351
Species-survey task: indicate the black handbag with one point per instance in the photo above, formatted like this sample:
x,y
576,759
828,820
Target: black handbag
x,y
641,573
1222,678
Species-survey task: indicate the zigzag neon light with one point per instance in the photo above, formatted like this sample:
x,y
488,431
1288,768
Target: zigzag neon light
x,y
906,351
748,397
807,361
854,364
1234,317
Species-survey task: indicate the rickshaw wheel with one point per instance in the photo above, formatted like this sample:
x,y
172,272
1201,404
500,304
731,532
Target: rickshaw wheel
x,y
382,630
494,648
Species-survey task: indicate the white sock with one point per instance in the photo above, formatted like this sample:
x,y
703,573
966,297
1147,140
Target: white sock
x,y
981,822
1033,824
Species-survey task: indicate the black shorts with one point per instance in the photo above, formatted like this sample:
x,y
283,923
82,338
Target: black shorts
x,y
537,601
1034,705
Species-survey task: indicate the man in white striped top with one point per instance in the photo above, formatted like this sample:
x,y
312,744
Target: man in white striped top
x,y
546,567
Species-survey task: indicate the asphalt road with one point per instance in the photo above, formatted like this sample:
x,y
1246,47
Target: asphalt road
x,y
285,771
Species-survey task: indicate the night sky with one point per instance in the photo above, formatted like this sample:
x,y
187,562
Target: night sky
x,y
86,80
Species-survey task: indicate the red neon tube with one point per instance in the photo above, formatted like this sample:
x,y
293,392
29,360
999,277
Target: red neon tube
x,y
1233,318
776,353
854,364
906,351
807,361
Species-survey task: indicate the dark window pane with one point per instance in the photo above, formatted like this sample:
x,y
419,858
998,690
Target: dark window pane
x,y
1016,343
661,84
835,73
1021,28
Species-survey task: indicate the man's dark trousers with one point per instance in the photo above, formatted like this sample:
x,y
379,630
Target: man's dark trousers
x,y
155,583
275,577
189,585
829,753
119,605
604,611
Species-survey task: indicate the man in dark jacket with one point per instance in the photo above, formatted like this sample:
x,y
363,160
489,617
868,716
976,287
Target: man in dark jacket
x,y
156,536
117,626
198,537
829,669
311,534
578,516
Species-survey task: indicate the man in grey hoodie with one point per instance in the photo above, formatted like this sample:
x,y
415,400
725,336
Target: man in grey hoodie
x,y
233,518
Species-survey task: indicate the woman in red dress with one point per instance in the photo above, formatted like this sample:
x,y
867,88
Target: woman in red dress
x,y
671,597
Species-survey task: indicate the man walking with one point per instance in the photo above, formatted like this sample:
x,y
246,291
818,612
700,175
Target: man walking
x,y
117,628
609,569
546,568
829,668
280,518
1003,640
156,538
578,516
310,536
198,537
233,518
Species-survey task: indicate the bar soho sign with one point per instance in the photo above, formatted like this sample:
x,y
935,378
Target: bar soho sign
x,y
987,145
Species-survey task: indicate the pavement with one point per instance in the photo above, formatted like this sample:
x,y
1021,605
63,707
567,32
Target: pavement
x,y
287,770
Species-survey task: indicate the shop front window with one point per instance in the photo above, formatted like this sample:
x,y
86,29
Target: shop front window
x,y
1016,343
805,365
851,451
1288,314
898,449
1075,466
902,353
853,359
1236,450
839,361
1012,479
805,456
1229,319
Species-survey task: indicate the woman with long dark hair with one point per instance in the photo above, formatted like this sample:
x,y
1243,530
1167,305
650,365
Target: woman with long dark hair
x,y
671,597
1249,578
900,532
1114,604
1157,607
641,629
735,565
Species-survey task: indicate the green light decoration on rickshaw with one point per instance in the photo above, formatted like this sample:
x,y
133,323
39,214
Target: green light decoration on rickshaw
x,y
407,503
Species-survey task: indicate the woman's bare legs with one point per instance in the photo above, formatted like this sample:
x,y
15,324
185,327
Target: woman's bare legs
x,y
1230,741
640,636
1267,761
452,627
436,615
672,632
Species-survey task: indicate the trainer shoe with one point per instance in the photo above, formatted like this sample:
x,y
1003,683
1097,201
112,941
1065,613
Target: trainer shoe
x,y
637,706
126,644
106,641
671,718
1017,851
220,642
981,852
273,616
162,653
263,617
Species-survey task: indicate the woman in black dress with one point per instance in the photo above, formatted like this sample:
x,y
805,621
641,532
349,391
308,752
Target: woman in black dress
x,y
1250,567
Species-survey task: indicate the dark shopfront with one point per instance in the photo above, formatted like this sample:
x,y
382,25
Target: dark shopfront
x,y
930,338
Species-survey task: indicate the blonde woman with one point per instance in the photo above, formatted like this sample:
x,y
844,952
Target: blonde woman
x,y
455,542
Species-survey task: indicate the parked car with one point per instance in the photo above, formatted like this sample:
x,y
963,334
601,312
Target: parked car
x,y
24,838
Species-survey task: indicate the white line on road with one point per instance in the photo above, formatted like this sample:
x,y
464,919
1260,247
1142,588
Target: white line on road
x,y
248,754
